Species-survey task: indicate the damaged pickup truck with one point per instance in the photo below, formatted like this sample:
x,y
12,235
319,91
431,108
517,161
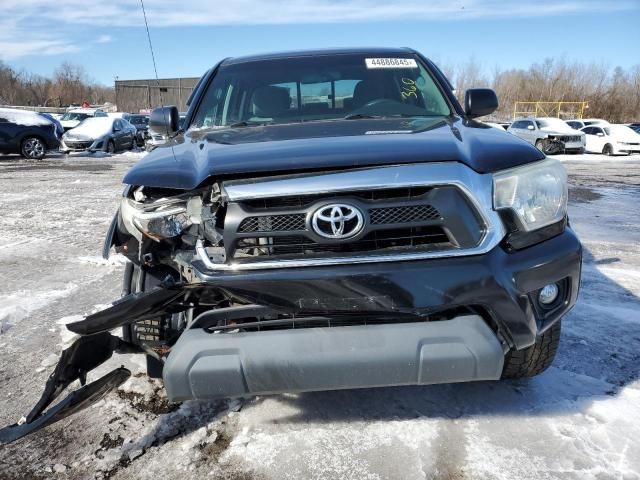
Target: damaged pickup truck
x,y
329,220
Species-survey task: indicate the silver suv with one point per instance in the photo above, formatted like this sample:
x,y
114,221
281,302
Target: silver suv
x,y
551,135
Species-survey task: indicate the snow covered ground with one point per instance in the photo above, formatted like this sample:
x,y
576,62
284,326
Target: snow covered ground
x,y
578,420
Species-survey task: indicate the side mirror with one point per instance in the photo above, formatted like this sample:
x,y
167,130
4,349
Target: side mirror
x,y
116,129
530,127
479,102
165,120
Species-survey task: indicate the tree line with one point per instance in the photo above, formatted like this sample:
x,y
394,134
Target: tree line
x,y
611,93
68,85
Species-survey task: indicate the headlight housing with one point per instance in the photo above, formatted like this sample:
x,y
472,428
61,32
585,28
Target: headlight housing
x,y
536,193
158,220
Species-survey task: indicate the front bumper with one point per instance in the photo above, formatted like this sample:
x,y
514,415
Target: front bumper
x,y
81,145
574,145
622,148
464,348
501,283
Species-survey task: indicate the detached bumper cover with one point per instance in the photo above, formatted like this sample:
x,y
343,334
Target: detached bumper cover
x,y
85,354
205,365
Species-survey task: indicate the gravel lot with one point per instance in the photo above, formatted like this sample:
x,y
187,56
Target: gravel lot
x,y
579,420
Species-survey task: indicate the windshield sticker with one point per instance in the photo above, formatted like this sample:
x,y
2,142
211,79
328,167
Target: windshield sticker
x,y
391,63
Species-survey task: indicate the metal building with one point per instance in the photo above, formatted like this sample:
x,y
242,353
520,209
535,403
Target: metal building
x,y
135,95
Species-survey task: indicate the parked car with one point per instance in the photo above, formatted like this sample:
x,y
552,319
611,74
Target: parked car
x,y
157,138
551,135
611,139
141,122
72,118
55,121
26,133
100,133
635,127
578,124
285,241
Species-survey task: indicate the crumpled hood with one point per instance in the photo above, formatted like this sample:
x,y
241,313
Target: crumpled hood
x,y
191,159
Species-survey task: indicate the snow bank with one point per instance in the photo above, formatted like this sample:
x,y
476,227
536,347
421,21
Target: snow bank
x,y
23,117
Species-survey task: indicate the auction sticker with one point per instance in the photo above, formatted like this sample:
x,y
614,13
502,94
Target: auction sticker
x,y
391,63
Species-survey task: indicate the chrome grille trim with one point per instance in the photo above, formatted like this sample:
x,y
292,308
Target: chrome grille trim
x,y
478,188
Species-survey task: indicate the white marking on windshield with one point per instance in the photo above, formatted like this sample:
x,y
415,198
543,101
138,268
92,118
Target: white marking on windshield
x,y
390,63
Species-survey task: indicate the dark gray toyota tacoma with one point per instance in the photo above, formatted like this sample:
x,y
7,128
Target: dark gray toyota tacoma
x,y
329,220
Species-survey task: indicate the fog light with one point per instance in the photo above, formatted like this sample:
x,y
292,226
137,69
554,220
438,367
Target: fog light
x,y
548,294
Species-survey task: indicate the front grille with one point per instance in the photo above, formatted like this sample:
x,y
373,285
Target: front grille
x,y
78,145
570,139
339,318
377,240
273,223
409,214
399,219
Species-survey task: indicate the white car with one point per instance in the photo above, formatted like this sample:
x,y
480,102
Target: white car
x,y
551,135
102,133
611,139
578,123
72,118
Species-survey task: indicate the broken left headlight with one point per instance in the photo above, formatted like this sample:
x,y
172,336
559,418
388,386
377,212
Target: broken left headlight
x,y
165,218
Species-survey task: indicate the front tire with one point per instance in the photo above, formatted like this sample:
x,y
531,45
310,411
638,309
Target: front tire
x,y
535,359
607,150
111,147
33,148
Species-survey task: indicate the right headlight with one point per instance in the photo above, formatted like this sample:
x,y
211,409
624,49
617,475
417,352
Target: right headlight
x,y
536,193
161,220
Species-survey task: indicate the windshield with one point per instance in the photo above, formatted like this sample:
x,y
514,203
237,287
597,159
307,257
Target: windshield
x,y
555,123
620,130
303,89
75,116
141,120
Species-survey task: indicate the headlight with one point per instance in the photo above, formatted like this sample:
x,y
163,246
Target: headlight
x,y
157,220
536,194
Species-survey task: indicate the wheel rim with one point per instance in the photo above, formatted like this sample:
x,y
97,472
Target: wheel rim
x,y
33,148
607,150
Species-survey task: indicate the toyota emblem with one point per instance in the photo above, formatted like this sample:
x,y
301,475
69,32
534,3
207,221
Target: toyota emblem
x,y
337,221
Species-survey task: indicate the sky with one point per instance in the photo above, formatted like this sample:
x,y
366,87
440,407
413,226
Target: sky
x,y
108,37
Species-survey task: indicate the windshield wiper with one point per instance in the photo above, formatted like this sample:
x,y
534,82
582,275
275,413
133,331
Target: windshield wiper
x,y
409,115
244,123
358,116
